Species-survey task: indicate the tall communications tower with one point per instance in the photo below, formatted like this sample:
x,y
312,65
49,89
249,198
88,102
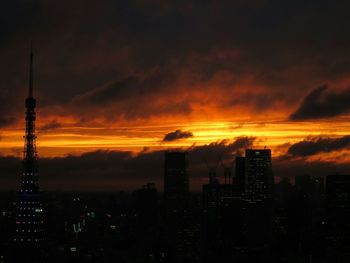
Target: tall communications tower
x,y
29,217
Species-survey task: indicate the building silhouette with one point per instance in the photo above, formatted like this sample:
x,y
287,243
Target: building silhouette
x,y
338,215
222,223
237,222
176,182
147,205
240,172
181,222
311,189
258,177
29,233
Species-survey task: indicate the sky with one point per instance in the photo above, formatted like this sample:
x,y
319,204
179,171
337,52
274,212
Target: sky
x,y
119,82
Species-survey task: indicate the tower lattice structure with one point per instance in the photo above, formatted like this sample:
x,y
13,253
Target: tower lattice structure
x,y
29,216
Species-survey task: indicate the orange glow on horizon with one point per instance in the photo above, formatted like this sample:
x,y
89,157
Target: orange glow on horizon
x,y
71,138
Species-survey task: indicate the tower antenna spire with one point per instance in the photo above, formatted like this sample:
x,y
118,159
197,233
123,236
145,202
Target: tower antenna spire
x,y
31,71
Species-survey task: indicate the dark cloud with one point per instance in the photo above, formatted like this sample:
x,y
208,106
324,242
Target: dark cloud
x,y
219,151
322,103
50,126
315,145
177,135
133,97
6,121
108,170
116,170
114,92
9,103
242,143
97,44
289,168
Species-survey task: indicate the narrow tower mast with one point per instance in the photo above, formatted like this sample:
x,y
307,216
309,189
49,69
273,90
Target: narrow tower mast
x,y
29,217
30,168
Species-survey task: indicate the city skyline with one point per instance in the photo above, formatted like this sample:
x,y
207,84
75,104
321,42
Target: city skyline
x,y
174,131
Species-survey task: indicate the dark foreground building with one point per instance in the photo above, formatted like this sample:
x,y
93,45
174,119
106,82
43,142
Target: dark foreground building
x,y
181,223
338,216
258,178
237,223
176,183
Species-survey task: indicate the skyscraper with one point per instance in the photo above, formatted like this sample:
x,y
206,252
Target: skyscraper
x,y
29,216
258,180
258,207
182,225
176,183
338,191
240,172
338,200
147,205
338,216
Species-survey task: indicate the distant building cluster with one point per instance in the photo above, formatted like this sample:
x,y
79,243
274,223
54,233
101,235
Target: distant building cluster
x,y
235,217
243,217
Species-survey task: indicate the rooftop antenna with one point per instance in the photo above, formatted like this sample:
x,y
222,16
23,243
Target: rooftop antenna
x,y
227,172
31,72
212,170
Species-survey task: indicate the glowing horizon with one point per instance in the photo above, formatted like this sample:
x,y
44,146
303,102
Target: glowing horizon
x,y
72,139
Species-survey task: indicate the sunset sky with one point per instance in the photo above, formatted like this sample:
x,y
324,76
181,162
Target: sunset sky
x,y
119,82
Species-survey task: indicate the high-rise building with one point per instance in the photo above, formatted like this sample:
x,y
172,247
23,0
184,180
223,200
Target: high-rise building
x,y
176,182
223,216
29,217
313,186
182,224
254,172
240,172
147,205
338,216
338,191
338,199
258,179
311,190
